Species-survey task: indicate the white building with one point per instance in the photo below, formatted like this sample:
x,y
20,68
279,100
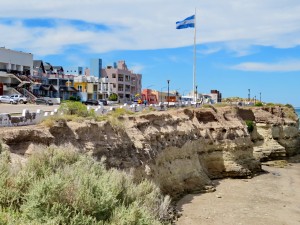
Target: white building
x,y
13,65
15,61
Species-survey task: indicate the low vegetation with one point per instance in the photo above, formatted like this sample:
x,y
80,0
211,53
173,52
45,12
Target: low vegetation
x,y
75,108
250,125
78,112
259,104
64,187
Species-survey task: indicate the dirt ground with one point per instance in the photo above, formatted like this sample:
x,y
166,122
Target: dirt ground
x,y
271,198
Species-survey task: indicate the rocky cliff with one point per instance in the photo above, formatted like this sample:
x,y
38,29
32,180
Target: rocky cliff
x,y
181,150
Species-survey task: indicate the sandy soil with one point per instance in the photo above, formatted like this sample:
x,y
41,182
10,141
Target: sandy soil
x,y
272,198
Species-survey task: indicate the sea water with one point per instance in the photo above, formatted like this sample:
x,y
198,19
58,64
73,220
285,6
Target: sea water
x,y
298,111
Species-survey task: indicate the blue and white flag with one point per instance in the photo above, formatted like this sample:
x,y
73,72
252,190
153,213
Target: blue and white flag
x,y
188,22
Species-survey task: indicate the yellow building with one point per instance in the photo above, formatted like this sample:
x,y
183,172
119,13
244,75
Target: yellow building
x,y
81,86
90,87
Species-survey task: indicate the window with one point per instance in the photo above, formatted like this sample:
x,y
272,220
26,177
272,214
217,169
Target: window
x,y
114,85
113,75
120,77
120,87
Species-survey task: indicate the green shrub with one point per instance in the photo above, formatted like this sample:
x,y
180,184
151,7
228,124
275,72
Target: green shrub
x,y
250,125
113,97
258,104
75,108
64,187
289,106
74,98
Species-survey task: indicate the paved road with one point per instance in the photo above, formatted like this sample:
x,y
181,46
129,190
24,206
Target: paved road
x,y
8,108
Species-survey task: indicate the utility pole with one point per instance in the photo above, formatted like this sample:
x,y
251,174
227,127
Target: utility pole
x,y
168,92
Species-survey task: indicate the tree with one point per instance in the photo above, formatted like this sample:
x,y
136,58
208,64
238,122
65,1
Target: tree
x,y
113,97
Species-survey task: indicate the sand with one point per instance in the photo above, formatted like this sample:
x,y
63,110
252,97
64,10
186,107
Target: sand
x,y
271,198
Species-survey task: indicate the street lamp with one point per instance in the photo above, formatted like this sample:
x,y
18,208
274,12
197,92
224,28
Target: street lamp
x,y
249,95
260,96
161,93
168,91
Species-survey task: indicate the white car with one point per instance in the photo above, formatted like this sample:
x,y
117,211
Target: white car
x,y
19,98
7,99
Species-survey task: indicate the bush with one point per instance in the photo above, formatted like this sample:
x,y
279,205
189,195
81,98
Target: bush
x,y
74,98
250,125
64,187
113,97
75,108
259,104
289,106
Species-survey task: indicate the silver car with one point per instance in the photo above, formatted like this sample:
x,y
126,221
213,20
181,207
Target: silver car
x,y
7,99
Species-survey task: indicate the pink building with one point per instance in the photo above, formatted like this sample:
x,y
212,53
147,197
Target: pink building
x,y
125,83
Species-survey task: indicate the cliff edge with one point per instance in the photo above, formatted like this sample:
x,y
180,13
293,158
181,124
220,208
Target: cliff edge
x,y
181,150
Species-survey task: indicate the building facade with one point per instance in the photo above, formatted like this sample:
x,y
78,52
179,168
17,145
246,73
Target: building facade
x,y
125,83
74,70
95,67
90,87
16,62
15,66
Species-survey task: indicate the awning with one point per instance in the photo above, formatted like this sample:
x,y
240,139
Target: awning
x,y
47,87
68,89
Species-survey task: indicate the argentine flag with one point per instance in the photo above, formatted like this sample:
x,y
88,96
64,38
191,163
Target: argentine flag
x,y
188,22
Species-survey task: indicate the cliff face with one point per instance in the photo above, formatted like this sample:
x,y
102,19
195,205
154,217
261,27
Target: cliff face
x,y
276,134
181,150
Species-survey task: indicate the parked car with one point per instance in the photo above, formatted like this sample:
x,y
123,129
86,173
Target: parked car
x,y
102,102
7,99
91,102
19,98
41,101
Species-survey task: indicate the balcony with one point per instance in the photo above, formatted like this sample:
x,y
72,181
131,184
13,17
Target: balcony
x,y
104,80
104,90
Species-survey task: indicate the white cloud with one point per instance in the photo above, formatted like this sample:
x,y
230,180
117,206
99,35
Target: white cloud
x,y
150,24
283,66
136,67
209,51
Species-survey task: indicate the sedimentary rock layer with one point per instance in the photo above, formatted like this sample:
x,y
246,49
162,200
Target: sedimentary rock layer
x,y
181,150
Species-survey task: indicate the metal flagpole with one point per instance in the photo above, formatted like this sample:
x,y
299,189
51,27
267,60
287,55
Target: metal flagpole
x,y
194,72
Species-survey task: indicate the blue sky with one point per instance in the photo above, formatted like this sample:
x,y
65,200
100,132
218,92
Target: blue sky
x,y
241,44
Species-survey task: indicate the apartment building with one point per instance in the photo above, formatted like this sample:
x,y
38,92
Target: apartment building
x,y
125,83
13,66
15,61
90,87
